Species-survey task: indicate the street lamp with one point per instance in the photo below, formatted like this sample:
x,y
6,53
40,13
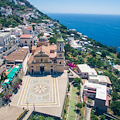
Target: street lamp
x,y
27,104
34,106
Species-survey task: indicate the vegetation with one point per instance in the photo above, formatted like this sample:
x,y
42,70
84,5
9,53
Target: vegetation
x,y
71,114
94,117
41,117
22,114
3,77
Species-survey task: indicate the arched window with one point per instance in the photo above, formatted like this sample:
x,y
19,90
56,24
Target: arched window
x,y
41,60
25,41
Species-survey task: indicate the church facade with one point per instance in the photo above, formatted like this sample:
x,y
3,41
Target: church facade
x,y
46,58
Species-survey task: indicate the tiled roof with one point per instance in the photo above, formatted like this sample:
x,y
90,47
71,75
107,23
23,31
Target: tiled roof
x,y
25,36
45,49
29,28
20,54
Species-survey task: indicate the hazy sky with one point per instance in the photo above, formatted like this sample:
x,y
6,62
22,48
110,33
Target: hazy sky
x,y
78,6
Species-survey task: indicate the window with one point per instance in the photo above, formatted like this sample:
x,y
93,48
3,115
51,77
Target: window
x,y
60,55
30,41
60,48
51,66
25,41
41,60
60,63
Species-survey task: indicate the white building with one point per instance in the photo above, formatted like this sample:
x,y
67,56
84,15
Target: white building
x,y
5,40
99,93
85,71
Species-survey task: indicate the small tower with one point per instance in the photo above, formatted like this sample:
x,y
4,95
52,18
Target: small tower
x,y
60,55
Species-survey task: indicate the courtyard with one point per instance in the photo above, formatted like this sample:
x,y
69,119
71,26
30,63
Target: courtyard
x,y
40,91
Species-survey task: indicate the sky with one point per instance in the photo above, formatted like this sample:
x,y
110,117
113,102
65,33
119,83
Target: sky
x,y
78,6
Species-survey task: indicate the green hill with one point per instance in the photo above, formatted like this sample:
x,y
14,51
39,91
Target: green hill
x,y
14,19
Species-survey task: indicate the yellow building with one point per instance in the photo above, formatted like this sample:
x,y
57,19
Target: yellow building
x,y
46,58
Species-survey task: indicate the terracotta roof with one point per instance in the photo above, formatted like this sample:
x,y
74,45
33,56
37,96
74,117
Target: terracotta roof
x,y
25,36
30,59
45,49
52,55
34,47
29,28
20,54
108,98
33,23
53,47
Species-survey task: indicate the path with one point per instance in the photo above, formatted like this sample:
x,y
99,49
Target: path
x,y
87,113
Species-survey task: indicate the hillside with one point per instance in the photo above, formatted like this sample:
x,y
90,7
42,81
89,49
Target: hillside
x,y
12,12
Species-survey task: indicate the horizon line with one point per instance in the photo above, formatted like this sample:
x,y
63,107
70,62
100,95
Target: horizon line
x,y
81,13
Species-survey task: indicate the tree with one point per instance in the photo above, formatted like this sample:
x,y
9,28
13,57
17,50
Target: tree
x,y
33,26
103,54
115,106
116,71
77,80
78,87
49,118
93,53
3,76
94,117
91,61
39,35
114,96
40,117
98,63
102,117
118,56
79,105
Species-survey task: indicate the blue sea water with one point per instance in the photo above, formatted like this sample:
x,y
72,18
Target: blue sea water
x,y
102,28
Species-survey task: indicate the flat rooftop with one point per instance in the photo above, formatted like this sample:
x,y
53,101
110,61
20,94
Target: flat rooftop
x,y
4,34
101,90
87,69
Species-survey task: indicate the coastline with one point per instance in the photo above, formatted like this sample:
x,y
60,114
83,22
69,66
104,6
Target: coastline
x,y
102,31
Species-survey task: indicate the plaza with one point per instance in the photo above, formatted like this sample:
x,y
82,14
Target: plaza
x,y
44,94
40,91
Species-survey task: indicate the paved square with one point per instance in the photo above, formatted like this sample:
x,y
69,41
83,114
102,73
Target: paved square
x,y
40,91
43,94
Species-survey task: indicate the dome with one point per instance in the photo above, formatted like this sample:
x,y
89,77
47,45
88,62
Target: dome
x,y
43,39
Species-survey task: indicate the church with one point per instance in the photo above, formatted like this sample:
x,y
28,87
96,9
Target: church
x,y
45,58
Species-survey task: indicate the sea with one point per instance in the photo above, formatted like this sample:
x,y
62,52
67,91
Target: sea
x,y
102,28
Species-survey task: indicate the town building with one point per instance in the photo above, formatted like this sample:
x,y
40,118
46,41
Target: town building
x,y
27,40
19,56
5,40
99,94
85,71
27,30
46,58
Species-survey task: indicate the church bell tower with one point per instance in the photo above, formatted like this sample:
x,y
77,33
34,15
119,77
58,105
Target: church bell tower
x,y
60,55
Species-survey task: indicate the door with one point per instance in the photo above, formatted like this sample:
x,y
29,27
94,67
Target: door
x,y
42,70
51,71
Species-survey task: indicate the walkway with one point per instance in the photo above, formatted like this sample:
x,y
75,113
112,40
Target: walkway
x,y
87,113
